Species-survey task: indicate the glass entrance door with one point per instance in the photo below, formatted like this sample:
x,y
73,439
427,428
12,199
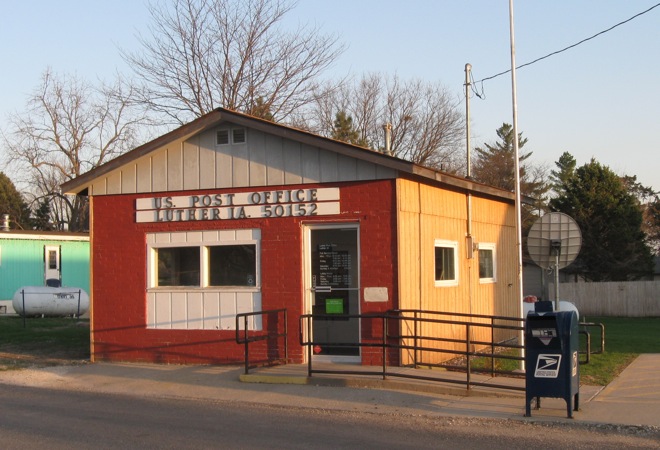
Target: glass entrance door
x,y
334,291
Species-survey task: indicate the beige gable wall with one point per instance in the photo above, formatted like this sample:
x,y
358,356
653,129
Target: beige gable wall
x,y
264,160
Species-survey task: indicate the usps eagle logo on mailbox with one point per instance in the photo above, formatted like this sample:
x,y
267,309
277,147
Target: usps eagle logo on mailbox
x,y
547,366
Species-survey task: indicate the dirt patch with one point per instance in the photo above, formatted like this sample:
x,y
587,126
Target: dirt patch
x,y
24,358
47,352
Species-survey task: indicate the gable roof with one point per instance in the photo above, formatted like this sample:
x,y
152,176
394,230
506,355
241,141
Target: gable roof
x,y
80,185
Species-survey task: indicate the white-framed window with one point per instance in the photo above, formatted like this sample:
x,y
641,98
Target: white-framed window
x,y
222,137
446,263
238,136
226,136
487,263
216,260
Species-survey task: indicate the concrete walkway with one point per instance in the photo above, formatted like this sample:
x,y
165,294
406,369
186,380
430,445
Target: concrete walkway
x,y
633,399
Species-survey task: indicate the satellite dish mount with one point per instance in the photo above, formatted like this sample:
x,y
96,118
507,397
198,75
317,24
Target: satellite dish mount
x,y
554,242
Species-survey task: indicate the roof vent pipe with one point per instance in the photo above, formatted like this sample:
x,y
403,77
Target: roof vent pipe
x,y
5,222
388,138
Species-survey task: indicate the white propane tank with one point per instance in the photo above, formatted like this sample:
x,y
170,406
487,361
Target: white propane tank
x,y
50,301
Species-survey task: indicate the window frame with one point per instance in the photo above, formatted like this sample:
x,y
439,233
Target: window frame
x,y
231,136
217,136
441,243
175,241
488,246
234,134
207,282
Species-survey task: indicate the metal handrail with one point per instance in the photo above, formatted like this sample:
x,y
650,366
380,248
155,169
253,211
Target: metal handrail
x,y
247,338
602,334
394,341
390,341
492,343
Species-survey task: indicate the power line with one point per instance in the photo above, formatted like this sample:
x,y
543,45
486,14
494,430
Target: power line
x,y
562,50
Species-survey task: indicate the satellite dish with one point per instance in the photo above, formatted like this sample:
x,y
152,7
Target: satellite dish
x,y
554,241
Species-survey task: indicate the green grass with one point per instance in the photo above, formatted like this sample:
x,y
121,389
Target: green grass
x,y
486,363
625,339
42,341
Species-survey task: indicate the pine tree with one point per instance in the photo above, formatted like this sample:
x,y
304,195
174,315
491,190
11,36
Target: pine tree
x,y
261,110
41,219
566,171
610,219
345,131
12,203
494,165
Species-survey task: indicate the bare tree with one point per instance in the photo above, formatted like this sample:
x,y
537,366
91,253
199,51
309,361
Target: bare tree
x,y
427,127
204,54
68,128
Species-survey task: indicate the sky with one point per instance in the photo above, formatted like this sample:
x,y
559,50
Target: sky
x,y
600,99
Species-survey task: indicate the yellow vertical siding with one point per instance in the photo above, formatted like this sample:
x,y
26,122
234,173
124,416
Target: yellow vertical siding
x,y
428,213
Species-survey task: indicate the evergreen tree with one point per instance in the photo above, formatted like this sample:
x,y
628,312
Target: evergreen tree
x,y
261,110
42,219
561,177
650,204
610,219
345,131
12,203
652,224
494,165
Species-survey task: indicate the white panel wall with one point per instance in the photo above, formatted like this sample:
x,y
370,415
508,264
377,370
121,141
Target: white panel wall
x,y
201,310
207,164
264,160
144,173
174,167
191,166
274,160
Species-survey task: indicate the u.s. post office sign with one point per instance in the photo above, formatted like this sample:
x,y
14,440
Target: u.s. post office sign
x,y
238,205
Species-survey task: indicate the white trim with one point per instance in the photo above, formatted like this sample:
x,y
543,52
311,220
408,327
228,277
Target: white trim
x,y
441,243
231,134
491,247
309,291
203,240
201,307
217,132
42,237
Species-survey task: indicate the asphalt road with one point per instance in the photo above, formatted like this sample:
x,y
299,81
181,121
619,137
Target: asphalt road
x,y
59,419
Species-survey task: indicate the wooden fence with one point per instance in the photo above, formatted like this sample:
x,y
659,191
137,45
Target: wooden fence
x,y
618,299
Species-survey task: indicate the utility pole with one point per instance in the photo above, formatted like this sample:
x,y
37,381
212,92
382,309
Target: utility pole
x,y
514,101
468,68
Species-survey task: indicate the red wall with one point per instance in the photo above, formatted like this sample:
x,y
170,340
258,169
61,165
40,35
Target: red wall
x,y
119,330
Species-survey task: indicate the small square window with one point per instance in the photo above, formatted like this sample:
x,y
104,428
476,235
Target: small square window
x,y
238,136
232,265
222,137
487,267
178,266
446,263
